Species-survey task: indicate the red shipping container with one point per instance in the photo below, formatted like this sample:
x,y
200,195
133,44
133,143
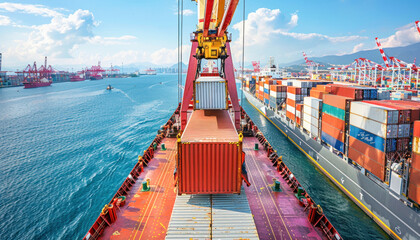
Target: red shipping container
x,y
333,121
332,131
299,107
209,155
298,121
414,185
316,94
294,90
290,115
416,129
336,101
369,164
367,150
324,88
413,105
415,160
347,91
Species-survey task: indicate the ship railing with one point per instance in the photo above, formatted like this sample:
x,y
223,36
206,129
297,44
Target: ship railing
x,y
106,218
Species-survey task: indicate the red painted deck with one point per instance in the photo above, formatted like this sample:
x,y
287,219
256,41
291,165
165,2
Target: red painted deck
x,y
277,215
146,215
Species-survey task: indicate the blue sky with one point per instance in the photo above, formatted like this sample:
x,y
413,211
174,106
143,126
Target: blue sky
x,y
81,33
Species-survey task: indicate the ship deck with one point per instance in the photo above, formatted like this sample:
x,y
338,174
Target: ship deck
x,y
147,215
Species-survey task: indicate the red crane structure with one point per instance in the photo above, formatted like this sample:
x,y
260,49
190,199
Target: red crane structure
x,y
95,72
256,66
312,66
34,77
398,69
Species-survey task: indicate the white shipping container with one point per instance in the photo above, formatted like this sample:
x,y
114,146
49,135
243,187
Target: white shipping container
x,y
311,119
314,131
261,88
311,111
374,112
277,94
379,129
266,86
306,125
291,96
291,109
210,93
312,102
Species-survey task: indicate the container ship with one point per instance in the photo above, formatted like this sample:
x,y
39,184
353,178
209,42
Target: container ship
x,y
210,173
37,83
78,77
365,139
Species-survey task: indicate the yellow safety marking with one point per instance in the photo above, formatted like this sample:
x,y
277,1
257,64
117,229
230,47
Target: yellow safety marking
x,y
162,226
116,233
335,180
150,197
157,192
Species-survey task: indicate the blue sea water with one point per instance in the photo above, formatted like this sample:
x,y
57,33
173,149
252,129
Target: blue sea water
x,y
66,149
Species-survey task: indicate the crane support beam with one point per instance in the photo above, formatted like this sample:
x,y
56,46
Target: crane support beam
x,y
230,78
418,26
188,92
227,17
220,11
207,16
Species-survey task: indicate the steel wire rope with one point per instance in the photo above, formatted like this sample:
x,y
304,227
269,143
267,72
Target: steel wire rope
x,y
243,55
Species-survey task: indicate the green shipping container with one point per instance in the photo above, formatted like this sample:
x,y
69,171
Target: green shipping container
x,y
334,111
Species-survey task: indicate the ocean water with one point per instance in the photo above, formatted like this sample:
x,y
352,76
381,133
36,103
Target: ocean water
x,y
66,149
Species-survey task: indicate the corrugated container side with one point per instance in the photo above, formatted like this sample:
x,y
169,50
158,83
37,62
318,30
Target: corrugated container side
x,y
207,168
336,101
368,138
379,129
332,141
367,150
312,111
336,122
210,94
369,164
374,112
334,111
332,131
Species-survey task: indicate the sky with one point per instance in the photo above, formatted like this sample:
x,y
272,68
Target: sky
x,y
80,33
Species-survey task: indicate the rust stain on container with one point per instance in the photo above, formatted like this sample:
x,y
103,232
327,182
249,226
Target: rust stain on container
x,y
209,155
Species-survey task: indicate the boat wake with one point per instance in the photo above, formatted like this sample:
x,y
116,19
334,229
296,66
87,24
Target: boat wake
x,y
125,94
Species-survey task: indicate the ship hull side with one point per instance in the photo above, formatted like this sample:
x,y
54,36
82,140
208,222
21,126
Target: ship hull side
x,y
36,84
373,197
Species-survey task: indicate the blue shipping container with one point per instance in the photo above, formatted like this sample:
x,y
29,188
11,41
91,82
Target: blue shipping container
x,y
332,141
266,101
368,138
266,91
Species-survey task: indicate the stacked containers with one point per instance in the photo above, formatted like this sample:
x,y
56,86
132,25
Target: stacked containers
x,y
311,115
373,133
299,113
294,96
414,174
406,117
261,90
277,95
266,92
334,117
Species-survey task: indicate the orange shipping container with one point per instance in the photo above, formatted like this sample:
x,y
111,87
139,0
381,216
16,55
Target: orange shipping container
x,y
414,185
290,102
336,101
316,94
369,164
201,167
332,131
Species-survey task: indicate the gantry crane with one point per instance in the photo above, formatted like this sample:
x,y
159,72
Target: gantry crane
x,y
211,41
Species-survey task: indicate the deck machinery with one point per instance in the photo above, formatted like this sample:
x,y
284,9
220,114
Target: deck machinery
x,y
210,173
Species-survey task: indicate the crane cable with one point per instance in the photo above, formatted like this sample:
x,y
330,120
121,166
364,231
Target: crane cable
x,y
180,30
243,52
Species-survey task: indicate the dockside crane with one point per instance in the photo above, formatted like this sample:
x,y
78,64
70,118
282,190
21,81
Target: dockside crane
x,y
418,26
312,66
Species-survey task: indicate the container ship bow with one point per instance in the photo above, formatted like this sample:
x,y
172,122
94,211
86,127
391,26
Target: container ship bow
x,y
210,173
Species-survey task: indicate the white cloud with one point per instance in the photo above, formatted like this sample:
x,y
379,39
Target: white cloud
x,y
165,56
126,39
5,20
404,36
186,12
293,20
358,47
30,9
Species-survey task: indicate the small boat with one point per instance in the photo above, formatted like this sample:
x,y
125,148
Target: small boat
x,y
109,87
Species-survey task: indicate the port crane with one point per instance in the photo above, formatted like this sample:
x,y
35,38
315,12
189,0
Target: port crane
x,y
312,66
256,66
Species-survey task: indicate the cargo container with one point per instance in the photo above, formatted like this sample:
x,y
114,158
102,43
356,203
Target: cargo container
x,y
414,172
210,93
201,167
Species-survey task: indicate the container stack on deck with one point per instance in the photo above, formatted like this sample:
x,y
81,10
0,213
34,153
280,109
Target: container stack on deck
x,y
363,124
